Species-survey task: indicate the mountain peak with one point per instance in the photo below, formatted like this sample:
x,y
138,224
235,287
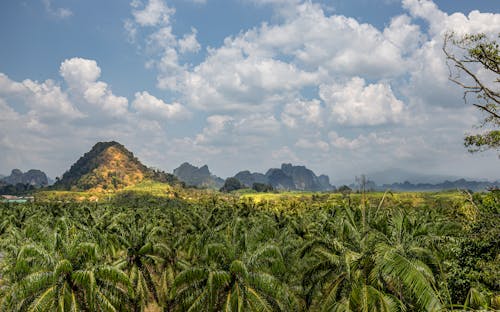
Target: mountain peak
x,y
107,166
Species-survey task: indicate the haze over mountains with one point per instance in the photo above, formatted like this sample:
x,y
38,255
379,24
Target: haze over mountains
x,y
401,175
110,166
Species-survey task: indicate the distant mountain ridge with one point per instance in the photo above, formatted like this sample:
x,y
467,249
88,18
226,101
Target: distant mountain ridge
x,y
461,184
19,183
108,166
199,177
288,177
394,175
34,177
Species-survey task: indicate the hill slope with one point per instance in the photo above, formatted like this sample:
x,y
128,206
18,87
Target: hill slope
x,y
108,166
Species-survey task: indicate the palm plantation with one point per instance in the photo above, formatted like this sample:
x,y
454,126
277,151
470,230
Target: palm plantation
x,y
218,253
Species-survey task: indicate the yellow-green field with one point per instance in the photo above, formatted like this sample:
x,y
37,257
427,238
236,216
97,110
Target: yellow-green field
x,y
165,190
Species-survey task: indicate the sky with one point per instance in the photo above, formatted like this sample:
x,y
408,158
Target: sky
x,y
344,87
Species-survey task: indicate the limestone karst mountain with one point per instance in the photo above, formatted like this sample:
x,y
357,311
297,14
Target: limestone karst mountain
x,y
288,177
32,177
199,177
108,166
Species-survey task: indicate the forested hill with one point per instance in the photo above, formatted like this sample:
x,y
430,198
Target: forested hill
x,y
108,166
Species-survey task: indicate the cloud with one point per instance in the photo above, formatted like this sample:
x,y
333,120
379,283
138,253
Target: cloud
x,y
81,76
154,108
309,86
251,131
78,72
188,43
154,13
298,112
405,35
356,103
326,82
269,66
160,41
43,100
313,144
61,13
39,120
230,81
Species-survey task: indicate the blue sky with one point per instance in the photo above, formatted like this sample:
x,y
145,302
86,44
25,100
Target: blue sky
x,y
343,87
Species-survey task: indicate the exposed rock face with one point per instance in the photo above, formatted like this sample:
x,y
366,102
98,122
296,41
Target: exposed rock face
x,y
280,180
303,178
288,177
199,177
33,177
324,181
248,179
108,166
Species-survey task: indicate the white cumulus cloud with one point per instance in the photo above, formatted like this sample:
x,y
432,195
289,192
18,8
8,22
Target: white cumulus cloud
x,y
81,76
358,103
154,108
154,12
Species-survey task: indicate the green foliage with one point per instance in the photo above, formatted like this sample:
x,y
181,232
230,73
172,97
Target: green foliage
x,y
481,142
17,189
262,187
344,190
231,184
201,251
467,55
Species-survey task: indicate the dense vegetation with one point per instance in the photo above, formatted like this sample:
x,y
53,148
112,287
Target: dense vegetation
x,y
209,252
16,189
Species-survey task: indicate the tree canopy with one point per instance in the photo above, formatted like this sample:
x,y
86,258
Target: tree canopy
x,y
474,63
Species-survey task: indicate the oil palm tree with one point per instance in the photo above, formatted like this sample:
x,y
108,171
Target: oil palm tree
x,y
357,268
64,273
232,277
405,264
142,257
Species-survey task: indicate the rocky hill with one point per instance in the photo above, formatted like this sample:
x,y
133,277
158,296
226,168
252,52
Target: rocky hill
x,y
108,166
32,177
199,177
248,179
288,177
